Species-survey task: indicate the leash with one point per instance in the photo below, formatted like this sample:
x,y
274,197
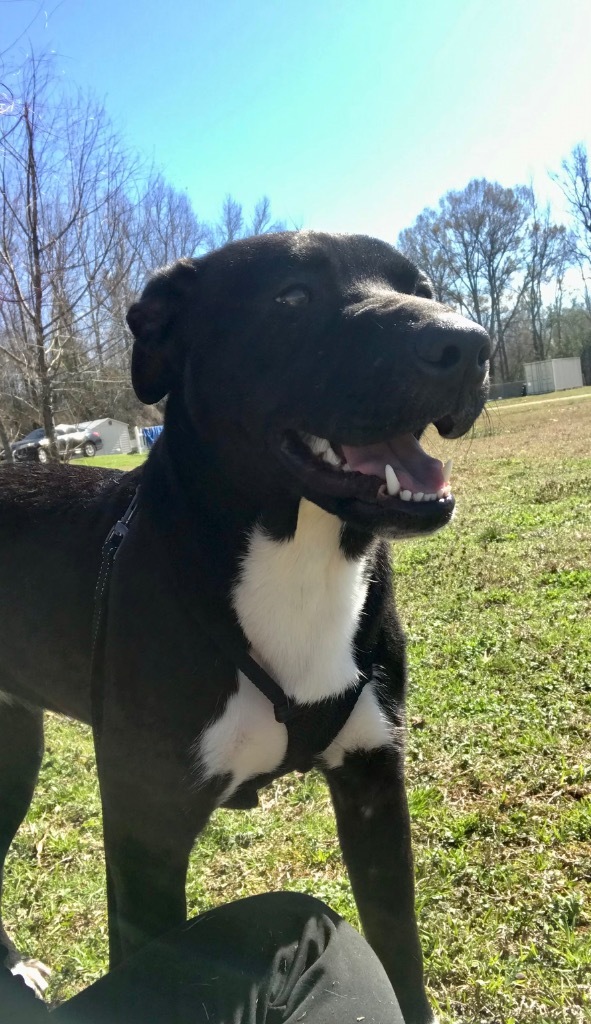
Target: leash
x,y
111,546
319,730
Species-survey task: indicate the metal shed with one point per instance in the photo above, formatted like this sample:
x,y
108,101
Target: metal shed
x,y
115,435
553,375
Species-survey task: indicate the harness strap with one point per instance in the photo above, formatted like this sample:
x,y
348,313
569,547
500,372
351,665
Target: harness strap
x,y
230,644
314,733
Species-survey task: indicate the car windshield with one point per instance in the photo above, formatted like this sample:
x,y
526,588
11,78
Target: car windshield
x,y
35,435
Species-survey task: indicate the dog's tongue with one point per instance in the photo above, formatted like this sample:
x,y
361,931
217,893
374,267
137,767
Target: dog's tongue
x,y
415,470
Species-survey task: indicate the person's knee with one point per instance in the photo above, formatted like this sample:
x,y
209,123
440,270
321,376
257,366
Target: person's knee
x,y
264,921
296,904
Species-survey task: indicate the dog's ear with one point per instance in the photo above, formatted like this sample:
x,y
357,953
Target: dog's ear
x,y
158,347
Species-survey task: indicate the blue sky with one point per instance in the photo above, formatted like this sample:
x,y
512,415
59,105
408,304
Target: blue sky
x,y
352,115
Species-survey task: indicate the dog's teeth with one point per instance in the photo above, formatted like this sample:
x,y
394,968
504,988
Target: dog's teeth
x,y
331,457
444,492
317,445
418,496
406,495
447,470
392,482
430,497
346,468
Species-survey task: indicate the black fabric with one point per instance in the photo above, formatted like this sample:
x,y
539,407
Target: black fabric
x,y
279,958
18,1004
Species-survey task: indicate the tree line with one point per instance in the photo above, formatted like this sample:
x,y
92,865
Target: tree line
x,y
497,255
83,222
82,225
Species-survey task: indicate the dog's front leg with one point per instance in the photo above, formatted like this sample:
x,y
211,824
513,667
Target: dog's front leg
x,y
151,817
374,830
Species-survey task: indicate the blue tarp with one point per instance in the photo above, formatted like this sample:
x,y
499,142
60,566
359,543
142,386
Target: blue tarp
x,y
150,434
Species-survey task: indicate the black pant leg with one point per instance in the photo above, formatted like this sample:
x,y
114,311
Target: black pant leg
x,y
279,958
18,1004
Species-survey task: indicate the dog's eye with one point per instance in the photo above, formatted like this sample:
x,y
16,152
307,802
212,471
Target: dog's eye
x,y
296,296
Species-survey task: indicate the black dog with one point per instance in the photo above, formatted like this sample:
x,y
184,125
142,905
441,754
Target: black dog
x,y
298,366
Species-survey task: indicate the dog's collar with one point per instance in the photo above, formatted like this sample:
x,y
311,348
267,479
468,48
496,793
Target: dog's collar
x,y
324,728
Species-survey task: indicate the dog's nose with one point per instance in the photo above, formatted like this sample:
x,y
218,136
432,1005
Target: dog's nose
x,y
452,346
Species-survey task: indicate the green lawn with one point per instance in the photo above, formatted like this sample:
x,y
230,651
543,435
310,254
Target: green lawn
x,y
499,754
554,396
112,461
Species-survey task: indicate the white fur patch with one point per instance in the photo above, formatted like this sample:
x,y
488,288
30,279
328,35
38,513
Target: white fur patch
x,y
299,602
367,728
5,698
245,741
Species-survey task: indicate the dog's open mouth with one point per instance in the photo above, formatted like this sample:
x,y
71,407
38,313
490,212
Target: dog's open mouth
x,y
396,474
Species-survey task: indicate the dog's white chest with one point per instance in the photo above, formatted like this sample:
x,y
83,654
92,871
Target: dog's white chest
x,y
299,604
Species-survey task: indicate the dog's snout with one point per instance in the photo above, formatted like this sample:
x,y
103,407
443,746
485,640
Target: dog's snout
x,y
453,346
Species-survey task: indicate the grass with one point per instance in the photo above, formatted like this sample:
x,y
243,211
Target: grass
x,y
497,610
553,396
577,393
112,461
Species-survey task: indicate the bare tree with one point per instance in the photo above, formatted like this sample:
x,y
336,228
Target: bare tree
x,y
485,227
569,330
548,249
230,225
167,226
61,167
15,408
81,227
233,224
422,244
575,182
262,222
473,248
5,442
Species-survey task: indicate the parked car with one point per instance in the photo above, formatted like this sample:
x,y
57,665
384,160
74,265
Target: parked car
x,y
28,448
80,439
71,440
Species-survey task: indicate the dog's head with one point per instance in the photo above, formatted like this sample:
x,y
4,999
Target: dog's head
x,y
312,362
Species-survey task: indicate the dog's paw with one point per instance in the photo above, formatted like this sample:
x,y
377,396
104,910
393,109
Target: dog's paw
x,y
34,974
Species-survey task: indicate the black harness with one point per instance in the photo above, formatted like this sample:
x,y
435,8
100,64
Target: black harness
x,y
310,728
